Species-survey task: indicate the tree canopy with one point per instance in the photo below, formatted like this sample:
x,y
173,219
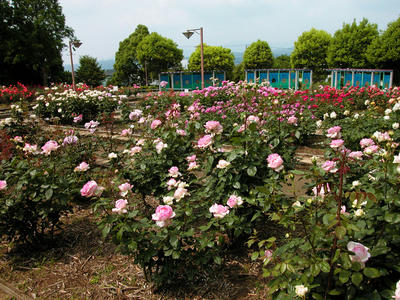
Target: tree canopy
x,y
349,45
158,54
282,62
127,67
384,51
258,56
89,71
31,34
310,50
215,58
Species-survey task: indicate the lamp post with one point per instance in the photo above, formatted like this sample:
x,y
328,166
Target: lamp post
x,y
188,33
76,44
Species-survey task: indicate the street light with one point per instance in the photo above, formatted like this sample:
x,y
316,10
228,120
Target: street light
x,y
76,44
188,34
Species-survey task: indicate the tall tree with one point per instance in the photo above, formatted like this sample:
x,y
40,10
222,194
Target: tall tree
x,y
258,56
127,67
384,51
32,33
215,58
349,45
310,51
282,62
157,53
89,71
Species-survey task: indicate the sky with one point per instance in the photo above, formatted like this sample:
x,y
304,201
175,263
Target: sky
x,y
235,24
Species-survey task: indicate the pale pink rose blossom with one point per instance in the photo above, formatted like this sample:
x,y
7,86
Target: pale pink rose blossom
x,y
126,132
125,188
3,185
120,206
222,164
366,143
140,142
91,189
137,113
213,127
28,148
78,118
234,201
356,155
371,149
134,150
82,167
219,211
70,140
18,139
382,136
396,159
174,172
336,144
192,165
180,193
361,253
204,141
343,210
253,119
49,147
267,256
275,162
171,184
191,158
181,132
334,132
329,166
292,120
155,124
163,215
160,146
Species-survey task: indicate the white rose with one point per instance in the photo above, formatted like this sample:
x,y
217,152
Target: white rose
x,y
112,155
333,115
395,126
359,212
301,290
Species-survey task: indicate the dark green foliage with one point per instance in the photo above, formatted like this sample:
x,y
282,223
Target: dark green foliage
x,y
89,71
31,34
258,56
215,58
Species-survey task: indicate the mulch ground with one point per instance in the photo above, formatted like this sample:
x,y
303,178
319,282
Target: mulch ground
x,y
81,265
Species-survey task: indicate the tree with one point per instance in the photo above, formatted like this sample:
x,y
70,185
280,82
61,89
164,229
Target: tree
x,y
310,51
258,56
282,62
238,72
127,67
89,71
215,58
349,45
157,53
32,33
384,51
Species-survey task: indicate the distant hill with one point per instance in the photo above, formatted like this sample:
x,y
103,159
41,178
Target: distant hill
x,y
108,64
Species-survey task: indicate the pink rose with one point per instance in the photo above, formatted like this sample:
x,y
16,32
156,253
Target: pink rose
x,y
91,189
343,210
356,155
334,132
275,162
205,141
366,143
361,253
28,148
397,291
371,149
336,144
3,185
171,183
267,256
124,188
292,120
253,119
219,211
234,201
70,140
174,172
163,215
50,146
77,119
82,167
191,158
213,127
120,206
192,165
137,113
155,124
134,150
180,193
181,132
126,132
329,166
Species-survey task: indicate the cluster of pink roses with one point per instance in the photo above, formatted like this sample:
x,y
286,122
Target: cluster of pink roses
x,y
192,161
219,211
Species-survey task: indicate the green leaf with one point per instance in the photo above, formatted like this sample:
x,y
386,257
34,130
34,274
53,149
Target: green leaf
x,y
217,260
315,270
340,232
297,134
325,267
254,255
173,240
317,296
49,194
236,185
175,254
344,276
334,292
251,171
371,272
356,278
